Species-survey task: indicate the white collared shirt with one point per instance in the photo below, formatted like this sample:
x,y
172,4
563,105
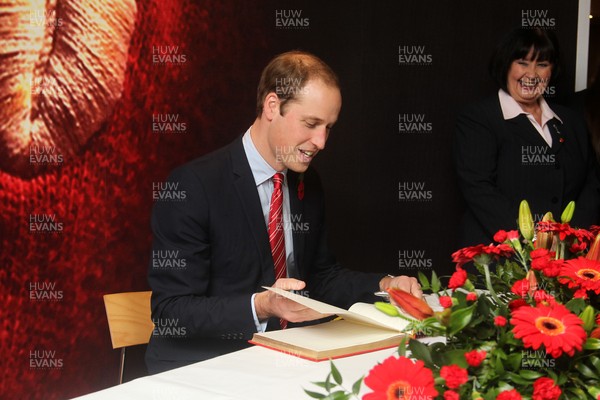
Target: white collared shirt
x,y
511,109
263,174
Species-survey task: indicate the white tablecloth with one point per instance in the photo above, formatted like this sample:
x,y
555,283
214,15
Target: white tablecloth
x,y
252,373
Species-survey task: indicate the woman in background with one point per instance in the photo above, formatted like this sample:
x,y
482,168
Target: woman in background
x,y
514,146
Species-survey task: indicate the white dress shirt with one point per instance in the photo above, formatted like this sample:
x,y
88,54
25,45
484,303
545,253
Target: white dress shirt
x,y
511,109
263,174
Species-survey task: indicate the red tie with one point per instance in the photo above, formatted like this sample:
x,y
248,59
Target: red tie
x,y
276,239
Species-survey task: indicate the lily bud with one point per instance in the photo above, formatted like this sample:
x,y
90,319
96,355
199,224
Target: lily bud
x,y
545,240
413,306
525,221
567,213
594,253
532,280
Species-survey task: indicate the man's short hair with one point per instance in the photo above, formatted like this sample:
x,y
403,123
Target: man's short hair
x,y
516,45
288,73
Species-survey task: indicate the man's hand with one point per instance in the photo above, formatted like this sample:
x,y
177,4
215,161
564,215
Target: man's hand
x,y
406,283
269,304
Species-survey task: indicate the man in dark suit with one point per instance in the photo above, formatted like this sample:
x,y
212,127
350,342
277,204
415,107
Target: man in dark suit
x,y
225,243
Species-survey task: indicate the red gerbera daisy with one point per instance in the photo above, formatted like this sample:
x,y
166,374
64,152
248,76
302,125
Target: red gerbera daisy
x,y
400,378
563,230
554,326
480,253
581,273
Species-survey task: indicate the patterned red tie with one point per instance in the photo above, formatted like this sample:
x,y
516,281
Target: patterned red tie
x,y
276,239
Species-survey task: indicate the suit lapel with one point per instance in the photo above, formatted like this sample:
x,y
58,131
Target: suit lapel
x,y
524,128
250,201
556,130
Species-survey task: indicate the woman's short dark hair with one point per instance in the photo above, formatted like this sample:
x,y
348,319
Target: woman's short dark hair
x,y
516,45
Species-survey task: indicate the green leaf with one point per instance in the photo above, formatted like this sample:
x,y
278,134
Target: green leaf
x,y
592,344
402,346
328,384
595,360
514,360
457,357
575,305
357,385
517,379
324,385
460,318
531,375
314,395
435,282
337,377
586,371
339,395
420,351
423,281
587,316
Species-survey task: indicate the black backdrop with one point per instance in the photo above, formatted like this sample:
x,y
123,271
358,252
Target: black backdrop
x,y
370,158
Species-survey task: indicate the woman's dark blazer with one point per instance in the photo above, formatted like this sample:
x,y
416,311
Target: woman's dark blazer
x,y
501,162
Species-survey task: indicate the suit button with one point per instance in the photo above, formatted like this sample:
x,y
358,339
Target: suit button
x,y
554,200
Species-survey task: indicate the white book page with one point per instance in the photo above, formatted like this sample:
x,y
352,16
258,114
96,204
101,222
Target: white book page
x,y
363,314
369,311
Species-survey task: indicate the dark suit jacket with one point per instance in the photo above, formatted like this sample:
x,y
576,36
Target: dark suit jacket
x,y
220,233
499,163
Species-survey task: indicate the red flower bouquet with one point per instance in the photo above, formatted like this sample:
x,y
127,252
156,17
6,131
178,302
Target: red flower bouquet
x,y
520,321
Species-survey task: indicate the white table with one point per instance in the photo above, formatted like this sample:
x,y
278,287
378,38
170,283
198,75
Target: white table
x,y
252,373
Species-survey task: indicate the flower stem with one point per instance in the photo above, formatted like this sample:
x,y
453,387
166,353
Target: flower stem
x,y
488,283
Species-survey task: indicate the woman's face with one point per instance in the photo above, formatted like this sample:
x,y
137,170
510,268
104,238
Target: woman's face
x,y
527,79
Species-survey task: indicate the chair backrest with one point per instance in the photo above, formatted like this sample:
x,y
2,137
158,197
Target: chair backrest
x,y
129,318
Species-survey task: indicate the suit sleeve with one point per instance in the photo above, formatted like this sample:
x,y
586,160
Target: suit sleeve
x,y
180,268
476,152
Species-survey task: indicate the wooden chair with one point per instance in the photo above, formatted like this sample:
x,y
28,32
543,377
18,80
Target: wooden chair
x,y
129,321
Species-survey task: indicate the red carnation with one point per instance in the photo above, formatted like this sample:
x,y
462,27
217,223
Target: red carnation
x,y
545,389
520,287
451,395
454,375
499,320
458,278
502,236
516,303
509,395
471,296
446,301
475,357
301,189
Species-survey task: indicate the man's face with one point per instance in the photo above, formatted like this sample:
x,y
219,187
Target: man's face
x,y
297,136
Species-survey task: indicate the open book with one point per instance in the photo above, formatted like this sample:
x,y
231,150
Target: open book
x,y
360,329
